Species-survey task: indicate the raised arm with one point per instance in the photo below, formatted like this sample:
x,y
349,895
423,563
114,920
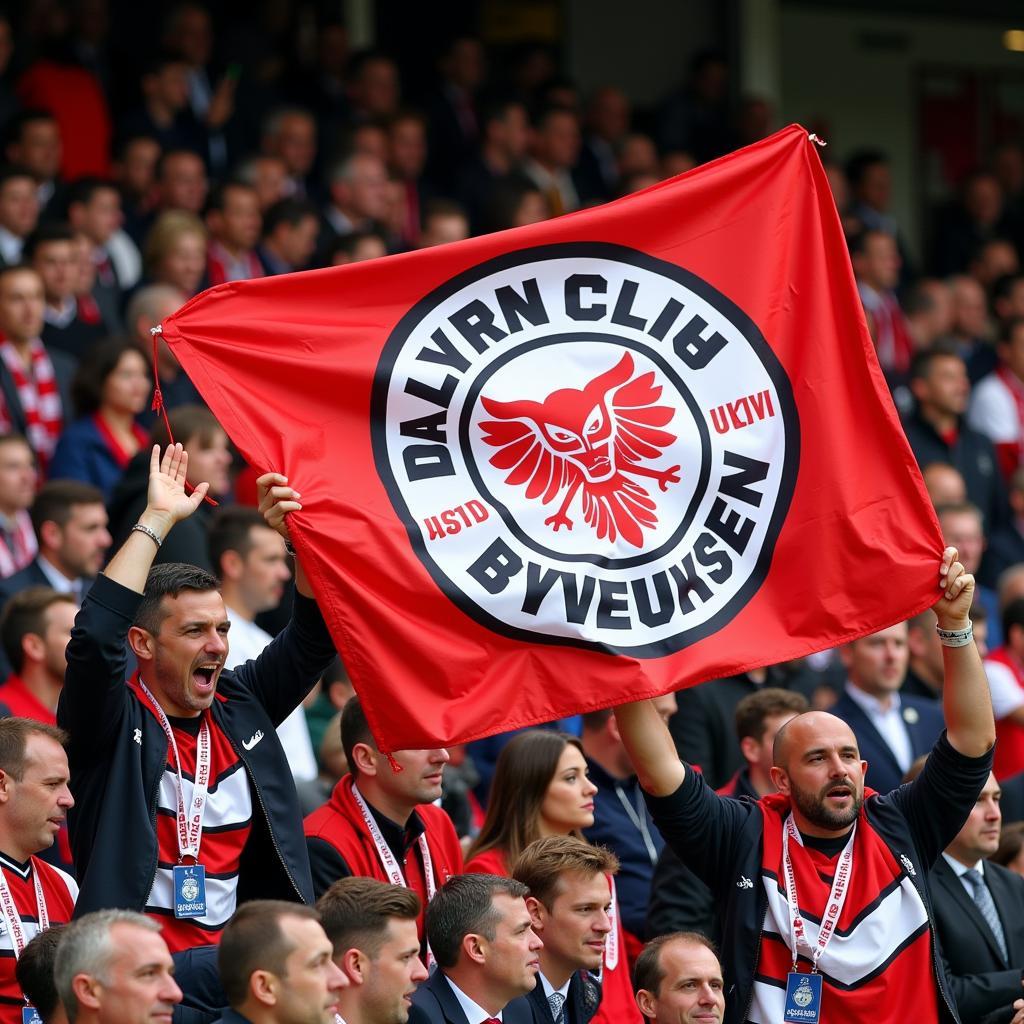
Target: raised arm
x,y
650,747
277,499
166,504
966,702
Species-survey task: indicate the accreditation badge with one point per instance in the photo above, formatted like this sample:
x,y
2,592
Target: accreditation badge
x,y
189,890
803,999
30,1015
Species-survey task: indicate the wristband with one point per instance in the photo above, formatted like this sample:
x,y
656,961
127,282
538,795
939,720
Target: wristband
x,y
956,637
152,534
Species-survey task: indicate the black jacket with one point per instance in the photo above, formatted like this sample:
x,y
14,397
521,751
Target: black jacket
x,y
580,1004
981,980
117,753
721,839
434,1002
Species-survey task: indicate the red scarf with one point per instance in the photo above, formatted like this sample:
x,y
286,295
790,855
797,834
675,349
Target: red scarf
x,y
121,457
39,398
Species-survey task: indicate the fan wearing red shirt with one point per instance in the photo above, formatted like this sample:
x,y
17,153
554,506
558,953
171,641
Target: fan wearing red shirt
x,y
34,800
35,628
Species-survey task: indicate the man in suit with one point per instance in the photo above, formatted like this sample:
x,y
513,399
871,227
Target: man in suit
x,y
679,979
570,902
481,934
372,926
70,524
979,915
276,966
892,730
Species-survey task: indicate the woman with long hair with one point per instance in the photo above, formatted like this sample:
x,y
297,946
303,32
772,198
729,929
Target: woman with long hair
x,y
541,788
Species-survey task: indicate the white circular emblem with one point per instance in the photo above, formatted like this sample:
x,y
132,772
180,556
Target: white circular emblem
x,y
189,890
588,446
803,996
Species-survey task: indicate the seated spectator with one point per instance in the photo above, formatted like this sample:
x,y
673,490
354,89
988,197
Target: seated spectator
x,y
290,228
979,914
289,133
372,927
164,114
33,382
359,198
19,212
991,260
678,978
997,405
554,152
50,251
963,527
892,729
112,966
18,545
135,171
1005,543
1010,852
250,560
34,780
34,142
374,88
407,155
380,821
34,972
570,904
929,312
269,177
607,125
1008,297
276,966
621,819
513,203
35,627
175,252
110,390
876,265
976,216
209,461
944,484
454,110
354,248
924,664
937,430
487,953
1004,668
181,182
971,328
234,222
70,524
541,788
94,209
443,221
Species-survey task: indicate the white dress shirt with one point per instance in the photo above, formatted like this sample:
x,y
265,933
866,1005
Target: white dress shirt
x,y
961,869
475,1014
59,582
889,723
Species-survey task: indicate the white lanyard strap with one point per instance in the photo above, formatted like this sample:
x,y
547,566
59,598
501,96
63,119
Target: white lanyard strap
x,y
638,816
10,912
190,821
611,944
836,899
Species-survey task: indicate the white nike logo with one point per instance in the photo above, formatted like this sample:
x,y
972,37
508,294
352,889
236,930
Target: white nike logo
x,y
253,739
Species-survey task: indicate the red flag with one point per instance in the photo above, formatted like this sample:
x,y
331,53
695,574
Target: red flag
x,y
590,460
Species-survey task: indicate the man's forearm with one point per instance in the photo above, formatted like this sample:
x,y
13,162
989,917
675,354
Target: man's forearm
x,y
302,580
130,566
650,747
966,702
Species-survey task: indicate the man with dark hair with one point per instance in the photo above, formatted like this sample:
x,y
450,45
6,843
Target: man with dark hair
x,y
381,821
50,251
33,142
372,927
803,837
34,799
443,221
570,905
34,972
482,937
70,524
251,562
938,432
678,980
555,150
290,229
680,901
234,221
181,181
994,409
19,211
135,748
112,967
18,475
35,627
276,966
621,819
876,265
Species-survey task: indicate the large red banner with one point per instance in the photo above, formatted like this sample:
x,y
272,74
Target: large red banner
x,y
595,459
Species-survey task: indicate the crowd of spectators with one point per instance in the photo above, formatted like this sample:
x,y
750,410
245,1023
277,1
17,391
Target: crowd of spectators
x,y
534,883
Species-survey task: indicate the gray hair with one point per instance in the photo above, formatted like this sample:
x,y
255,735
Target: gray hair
x,y
151,301
85,948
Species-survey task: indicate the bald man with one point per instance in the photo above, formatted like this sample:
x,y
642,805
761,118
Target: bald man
x,y
822,849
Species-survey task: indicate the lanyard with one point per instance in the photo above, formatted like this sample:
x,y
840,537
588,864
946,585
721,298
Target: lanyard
x,y
190,826
639,819
836,899
10,912
611,944
387,859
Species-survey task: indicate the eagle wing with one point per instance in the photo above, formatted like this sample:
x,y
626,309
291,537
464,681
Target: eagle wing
x,y
638,419
529,461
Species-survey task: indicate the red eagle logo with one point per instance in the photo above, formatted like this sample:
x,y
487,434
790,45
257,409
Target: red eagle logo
x,y
591,440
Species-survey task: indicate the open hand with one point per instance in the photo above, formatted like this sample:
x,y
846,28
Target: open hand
x,y
167,498
953,608
277,499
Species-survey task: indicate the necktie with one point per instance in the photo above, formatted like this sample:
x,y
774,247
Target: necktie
x,y
556,1001
491,1020
984,902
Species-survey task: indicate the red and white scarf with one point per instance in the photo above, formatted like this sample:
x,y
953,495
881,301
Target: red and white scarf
x,y
18,546
39,398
